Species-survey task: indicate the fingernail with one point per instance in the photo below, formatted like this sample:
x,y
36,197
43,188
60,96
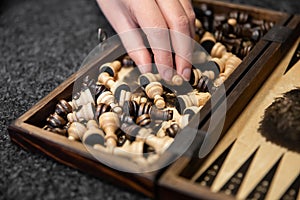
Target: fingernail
x,y
186,74
168,74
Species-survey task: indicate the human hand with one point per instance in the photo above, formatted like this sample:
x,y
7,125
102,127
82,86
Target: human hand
x,y
155,17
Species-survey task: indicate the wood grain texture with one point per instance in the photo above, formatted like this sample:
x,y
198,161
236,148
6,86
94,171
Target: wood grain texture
x,y
26,131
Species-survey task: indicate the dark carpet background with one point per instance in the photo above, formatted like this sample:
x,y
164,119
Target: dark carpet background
x,y
41,44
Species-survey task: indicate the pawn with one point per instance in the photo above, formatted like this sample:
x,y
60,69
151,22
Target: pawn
x,y
154,90
218,50
63,108
187,115
110,122
76,131
147,78
192,99
107,80
56,121
208,41
176,80
93,135
111,68
131,150
159,144
131,130
121,92
85,113
198,25
231,64
139,99
84,98
108,98
155,114
164,115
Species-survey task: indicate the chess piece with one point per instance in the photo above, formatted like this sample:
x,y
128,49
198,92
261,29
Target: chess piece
x,y
133,151
159,144
105,79
99,89
162,131
110,122
240,17
154,90
63,108
111,68
56,121
192,99
143,120
231,64
208,41
205,84
128,62
85,113
76,131
198,25
121,92
84,98
93,135
147,78
213,68
131,130
192,110
130,150
108,98
218,50
139,96
60,131
139,99
195,77
101,108
172,130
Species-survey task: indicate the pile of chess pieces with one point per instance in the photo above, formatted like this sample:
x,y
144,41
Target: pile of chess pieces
x,y
140,125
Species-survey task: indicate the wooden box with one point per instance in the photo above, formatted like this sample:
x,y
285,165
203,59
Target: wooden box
x,y
243,83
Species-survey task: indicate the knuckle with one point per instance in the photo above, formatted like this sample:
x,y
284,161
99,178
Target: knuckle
x,y
192,16
182,21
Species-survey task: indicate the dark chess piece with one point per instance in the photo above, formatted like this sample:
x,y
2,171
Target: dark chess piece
x,y
100,109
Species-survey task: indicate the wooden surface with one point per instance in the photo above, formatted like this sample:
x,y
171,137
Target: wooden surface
x,y
244,140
